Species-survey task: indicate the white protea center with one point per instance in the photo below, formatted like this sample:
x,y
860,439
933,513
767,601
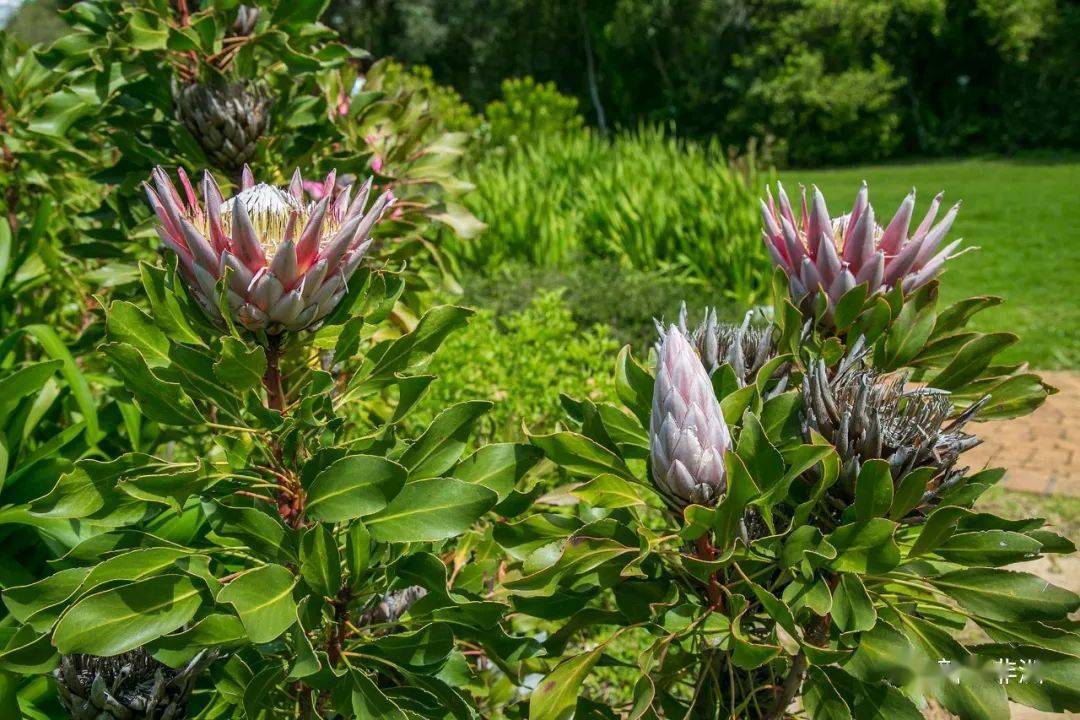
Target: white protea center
x,y
274,212
288,262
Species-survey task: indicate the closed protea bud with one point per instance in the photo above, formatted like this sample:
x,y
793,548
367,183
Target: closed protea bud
x,y
865,416
687,433
821,254
746,348
246,17
131,686
226,118
290,261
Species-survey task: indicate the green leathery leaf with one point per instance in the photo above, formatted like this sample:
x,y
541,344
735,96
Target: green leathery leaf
x,y
866,546
852,609
499,466
239,366
557,694
126,617
354,486
1006,595
263,599
609,491
579,455
368,701
909,492
939,526
634,385
741,489
989,548
126,323
763,461
431,510
320,562
911,329
821,699
215,630
878,701
873,490
159,400
168,314
1045,679
263,533
444,440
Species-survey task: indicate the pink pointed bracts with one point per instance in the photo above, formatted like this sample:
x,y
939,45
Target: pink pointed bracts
x,y
290,260
822,254
687,433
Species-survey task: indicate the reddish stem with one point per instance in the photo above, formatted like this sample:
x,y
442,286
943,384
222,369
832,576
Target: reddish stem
x,y
706,551
275,395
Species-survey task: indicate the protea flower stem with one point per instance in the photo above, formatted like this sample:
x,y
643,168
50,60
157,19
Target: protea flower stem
x,y
275,393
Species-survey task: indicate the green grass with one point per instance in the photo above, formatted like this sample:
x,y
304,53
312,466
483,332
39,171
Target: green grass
x,y
1024,215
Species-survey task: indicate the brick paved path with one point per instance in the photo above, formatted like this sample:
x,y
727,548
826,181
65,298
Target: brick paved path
x,y
1041,451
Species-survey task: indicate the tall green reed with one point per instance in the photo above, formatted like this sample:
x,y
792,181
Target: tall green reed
x,y
643,198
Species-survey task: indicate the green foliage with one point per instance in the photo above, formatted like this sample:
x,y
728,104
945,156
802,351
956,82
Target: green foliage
x,y
788,586
645,200
528,110
245,522
522,360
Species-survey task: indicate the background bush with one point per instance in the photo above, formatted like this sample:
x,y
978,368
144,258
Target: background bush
x,y
840,80
522,360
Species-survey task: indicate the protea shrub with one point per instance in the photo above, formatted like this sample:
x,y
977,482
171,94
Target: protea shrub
x,y
687,435
288,262
828,256
131,686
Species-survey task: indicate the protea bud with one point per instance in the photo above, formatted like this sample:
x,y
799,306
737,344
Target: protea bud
x,y
687,433
865,415
246,17
132,686
746,348
226,118
290,261
828,255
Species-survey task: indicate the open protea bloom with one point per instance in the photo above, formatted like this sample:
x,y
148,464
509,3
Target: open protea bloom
x,y
291,261
687,433
833,255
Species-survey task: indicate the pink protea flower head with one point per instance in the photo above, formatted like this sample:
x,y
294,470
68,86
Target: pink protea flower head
x,y
687,433
291,261
821,254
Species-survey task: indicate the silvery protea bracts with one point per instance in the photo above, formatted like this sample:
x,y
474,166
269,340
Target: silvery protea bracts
x,y
290,261
131,686
687,433
833,255
226,118
746,348
865,415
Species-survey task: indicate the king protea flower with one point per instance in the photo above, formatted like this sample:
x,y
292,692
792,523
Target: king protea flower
x,y
821,254
687,433
290,261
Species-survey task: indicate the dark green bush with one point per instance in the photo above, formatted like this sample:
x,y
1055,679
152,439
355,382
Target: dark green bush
x,y
626,301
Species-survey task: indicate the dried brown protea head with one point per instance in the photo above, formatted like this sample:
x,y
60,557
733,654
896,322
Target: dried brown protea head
x,y
130,686
746,348
226,118
867,415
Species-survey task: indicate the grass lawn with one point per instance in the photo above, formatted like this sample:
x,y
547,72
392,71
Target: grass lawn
x,y
1024,214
